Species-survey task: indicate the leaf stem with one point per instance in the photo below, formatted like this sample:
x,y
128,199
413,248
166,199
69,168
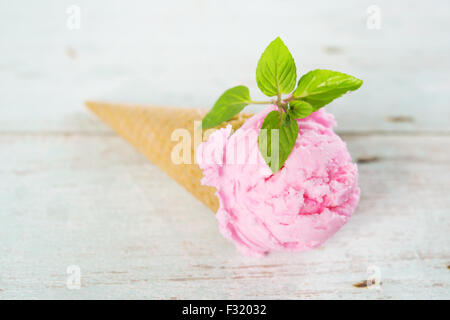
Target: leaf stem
x,y
290,99
261,102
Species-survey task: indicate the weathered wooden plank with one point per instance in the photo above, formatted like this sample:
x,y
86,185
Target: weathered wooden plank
x,y
86,198
94,202
185,53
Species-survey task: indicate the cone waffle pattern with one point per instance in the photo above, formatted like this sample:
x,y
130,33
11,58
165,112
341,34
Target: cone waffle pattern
x,y
149,129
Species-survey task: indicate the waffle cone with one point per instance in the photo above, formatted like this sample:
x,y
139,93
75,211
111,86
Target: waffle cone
x,y
149,129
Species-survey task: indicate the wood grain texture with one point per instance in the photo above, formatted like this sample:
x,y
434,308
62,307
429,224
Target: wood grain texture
x,y
93,201
186,53
73,193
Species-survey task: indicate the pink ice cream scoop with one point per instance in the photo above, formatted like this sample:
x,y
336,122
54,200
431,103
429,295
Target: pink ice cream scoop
x,y
308,200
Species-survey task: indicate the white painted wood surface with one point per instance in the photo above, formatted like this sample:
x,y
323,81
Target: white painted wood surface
x,y
73,193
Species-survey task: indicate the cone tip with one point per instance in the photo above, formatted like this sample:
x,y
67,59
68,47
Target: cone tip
x,y
99,106
92,104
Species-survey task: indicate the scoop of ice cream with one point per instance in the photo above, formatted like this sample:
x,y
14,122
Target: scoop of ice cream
x,y
310,198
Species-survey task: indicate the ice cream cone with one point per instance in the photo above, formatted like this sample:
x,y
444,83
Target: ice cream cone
x,y
149,129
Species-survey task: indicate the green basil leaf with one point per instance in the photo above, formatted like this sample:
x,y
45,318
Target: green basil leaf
x,y
230,103
276,72
277,138
320,87
299,109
